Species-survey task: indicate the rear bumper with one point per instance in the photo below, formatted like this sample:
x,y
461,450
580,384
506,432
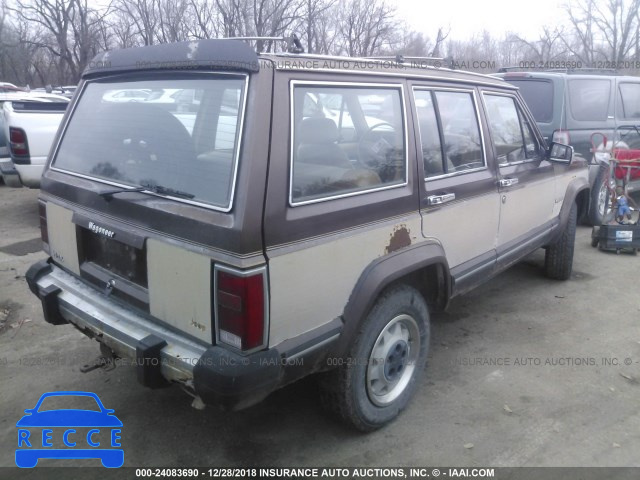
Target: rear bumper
x,y
30,175
9,173
159,354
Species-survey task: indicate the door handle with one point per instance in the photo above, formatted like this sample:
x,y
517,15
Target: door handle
x,y
508,182
440,199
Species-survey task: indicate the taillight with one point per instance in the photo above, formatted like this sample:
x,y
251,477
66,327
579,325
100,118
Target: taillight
x,y
240,305
561,136
44,231
18,142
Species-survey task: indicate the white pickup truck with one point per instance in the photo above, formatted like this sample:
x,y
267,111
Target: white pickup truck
x,y
29,123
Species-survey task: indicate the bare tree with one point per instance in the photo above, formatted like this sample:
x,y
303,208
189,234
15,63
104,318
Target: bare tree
x,y
545,48
366,26
142,14
440,38
602,29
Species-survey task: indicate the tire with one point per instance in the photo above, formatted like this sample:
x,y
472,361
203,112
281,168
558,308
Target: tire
x,y
365,392
599,192
558,259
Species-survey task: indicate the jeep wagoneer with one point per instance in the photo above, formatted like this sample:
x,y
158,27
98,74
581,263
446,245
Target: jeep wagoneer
x,y
291,214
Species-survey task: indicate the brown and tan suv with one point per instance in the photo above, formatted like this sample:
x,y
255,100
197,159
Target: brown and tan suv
x,y
294,214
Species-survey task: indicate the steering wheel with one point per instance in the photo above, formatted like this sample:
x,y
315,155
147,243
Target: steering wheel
x,y
373,149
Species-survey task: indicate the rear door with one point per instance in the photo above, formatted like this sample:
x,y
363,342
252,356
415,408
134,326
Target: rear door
x,y
526,178
459,199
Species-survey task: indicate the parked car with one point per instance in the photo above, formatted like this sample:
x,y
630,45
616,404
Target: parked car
x,y
235,268
6,165
572,106
29,126
118,96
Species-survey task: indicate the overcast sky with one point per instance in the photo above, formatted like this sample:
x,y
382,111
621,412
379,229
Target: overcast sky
x,y
466,17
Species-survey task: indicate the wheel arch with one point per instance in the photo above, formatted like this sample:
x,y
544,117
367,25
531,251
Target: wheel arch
x,y
423,266
577,192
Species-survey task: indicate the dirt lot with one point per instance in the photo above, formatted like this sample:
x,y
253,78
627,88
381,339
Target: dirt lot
x,y
529,371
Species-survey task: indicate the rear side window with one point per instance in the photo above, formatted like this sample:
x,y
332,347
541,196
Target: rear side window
x,y
176,136
461,132
512,137
346,140
538,94
629,101
589,99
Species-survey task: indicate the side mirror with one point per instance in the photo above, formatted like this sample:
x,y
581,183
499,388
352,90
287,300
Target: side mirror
x,y
560,153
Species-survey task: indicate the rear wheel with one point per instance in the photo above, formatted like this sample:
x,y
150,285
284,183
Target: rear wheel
x,y
599,193
379,376
558,260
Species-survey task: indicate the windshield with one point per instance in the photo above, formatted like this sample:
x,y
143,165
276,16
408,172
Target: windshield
x,y
176,133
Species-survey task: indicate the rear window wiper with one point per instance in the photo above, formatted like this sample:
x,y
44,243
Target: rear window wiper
x,y
166,190
108,195
147,186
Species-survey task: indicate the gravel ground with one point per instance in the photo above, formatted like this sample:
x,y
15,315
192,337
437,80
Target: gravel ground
x,y
522,372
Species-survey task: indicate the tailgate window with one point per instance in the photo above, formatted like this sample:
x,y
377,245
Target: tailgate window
x,y
176,136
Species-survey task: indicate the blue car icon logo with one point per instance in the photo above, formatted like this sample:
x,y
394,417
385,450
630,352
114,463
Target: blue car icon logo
x,y
69,433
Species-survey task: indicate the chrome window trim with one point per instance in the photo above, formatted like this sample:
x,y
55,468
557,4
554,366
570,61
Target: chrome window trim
x,y
483,148
239,136
389,86
356,61
518,107
267,319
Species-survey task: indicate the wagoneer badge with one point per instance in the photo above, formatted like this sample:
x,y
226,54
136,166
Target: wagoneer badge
x,y
101,230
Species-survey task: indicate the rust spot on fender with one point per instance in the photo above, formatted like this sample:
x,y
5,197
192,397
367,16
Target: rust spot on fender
x,y
400,238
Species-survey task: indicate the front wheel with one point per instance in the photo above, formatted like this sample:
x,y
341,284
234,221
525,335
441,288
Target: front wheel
x,y
378,378
558,260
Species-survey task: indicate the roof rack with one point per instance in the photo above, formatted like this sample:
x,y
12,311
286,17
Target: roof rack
x,y
294,45
448,61
602,71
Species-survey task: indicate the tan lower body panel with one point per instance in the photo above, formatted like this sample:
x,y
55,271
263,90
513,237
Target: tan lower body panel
x,y
63,243
466,229
180,288
312,284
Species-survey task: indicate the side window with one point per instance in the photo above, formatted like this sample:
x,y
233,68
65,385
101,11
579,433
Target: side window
x,y
511,134
589,99
346,140
461,132
629,101
429,134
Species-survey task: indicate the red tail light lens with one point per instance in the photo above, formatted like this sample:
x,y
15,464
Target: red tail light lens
x,y
241,308
18,142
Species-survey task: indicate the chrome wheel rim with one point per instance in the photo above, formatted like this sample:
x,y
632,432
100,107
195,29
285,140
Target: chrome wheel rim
x,y
602,197
392,361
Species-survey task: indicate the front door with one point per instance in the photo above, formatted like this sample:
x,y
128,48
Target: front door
x,y
459,202
526,177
